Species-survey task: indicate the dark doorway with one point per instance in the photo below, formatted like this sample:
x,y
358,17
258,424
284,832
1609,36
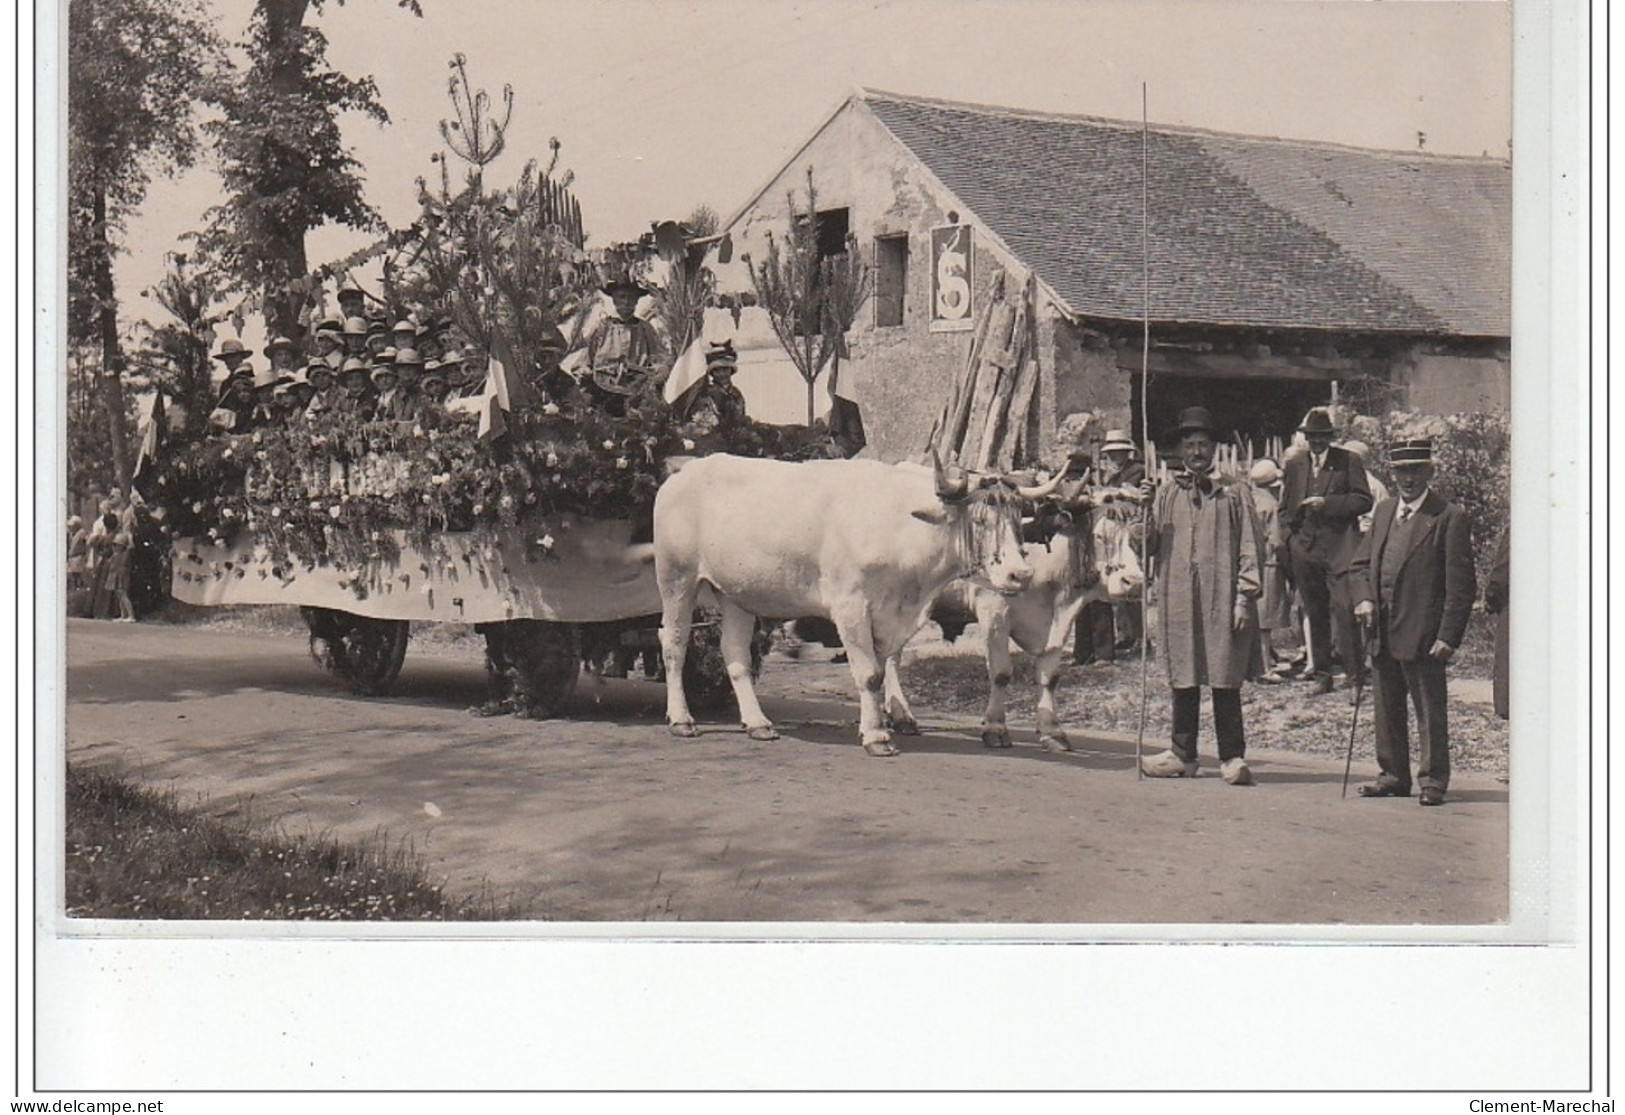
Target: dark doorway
x,y
1241,408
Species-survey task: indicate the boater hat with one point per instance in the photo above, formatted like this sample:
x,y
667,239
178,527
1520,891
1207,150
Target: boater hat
x,y
1317,421
355,327
1117,439
354,366
614,285
229,347
1412,451
282,343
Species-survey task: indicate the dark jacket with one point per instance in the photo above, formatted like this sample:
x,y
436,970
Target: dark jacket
x,y
1434,592
1331,534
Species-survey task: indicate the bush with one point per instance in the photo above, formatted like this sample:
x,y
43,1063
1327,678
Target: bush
x,y
1474,455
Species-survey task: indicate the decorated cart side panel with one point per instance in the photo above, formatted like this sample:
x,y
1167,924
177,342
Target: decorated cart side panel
x,y
575,570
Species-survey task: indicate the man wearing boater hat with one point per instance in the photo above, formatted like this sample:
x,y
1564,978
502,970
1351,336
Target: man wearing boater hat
x,y
1323,496
1414,583
232,354
1103,628
1201,530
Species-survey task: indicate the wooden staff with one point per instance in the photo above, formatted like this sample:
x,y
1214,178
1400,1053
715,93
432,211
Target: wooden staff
x,y
1149,518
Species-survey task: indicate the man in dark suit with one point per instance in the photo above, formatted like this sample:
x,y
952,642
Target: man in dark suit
x,y
1323,496
1414,583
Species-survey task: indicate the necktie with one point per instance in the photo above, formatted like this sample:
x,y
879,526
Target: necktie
x,y
1404,512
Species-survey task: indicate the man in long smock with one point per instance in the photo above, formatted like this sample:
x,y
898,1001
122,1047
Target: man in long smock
x,y
1203,536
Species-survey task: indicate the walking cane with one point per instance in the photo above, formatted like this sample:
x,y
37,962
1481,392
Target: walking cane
x,y
1359,691
1145,637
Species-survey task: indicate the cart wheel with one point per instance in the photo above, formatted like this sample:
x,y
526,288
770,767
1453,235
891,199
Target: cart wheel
x,y
366,653
532,666
705,674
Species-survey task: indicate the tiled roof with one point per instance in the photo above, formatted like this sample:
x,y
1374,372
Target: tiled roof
x,y
1243,231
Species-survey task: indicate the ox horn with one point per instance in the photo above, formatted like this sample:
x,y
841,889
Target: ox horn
x,y
948,489
1043,489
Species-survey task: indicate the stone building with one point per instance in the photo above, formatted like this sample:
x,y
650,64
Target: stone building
x,y
1282,272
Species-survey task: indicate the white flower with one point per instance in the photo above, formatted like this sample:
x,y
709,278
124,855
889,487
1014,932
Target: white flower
x,y
550,409
506,501
622,462
479,508
545,542
608,444
442,478
315,505
552,460
417,431
335,511
276,512
688,443
227,453
427,498
197,507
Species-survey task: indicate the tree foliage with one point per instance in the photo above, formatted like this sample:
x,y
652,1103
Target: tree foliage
x,y
285,166
811,300
135,71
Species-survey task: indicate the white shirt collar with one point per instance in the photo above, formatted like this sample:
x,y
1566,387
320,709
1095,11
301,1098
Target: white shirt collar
x,y
1415,505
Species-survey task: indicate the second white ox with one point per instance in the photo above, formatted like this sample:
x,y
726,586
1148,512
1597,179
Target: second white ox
x,y
1092,559
865,544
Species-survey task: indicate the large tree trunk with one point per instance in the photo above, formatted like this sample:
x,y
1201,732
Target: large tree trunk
x,y
284,21
111,380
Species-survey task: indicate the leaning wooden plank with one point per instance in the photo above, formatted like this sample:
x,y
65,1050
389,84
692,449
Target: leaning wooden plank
x,y
996,425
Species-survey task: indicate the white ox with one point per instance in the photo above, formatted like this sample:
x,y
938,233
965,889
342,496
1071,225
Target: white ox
x,y
864,544
1066,576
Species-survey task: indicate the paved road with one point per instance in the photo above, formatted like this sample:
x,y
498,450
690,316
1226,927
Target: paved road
x,y
605,817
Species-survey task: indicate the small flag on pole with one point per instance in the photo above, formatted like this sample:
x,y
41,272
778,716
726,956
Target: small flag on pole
x,y
493,404
686,375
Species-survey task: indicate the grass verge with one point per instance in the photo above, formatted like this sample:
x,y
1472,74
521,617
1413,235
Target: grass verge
x,y
134,853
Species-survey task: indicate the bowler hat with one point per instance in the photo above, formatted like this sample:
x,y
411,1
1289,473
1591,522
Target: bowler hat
x,y
1317,421
614,286
1411,451
1193,420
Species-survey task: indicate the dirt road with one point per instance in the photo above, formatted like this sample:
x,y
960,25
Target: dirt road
x,y
605,817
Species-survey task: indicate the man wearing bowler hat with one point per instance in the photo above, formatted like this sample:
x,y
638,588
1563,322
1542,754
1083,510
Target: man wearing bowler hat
x,y
1207,580
1323,495
1413,579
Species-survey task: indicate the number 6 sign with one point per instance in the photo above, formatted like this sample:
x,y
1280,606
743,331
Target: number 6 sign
x,y
951,278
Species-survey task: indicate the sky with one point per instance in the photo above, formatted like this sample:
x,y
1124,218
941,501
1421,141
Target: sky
x,y
662,105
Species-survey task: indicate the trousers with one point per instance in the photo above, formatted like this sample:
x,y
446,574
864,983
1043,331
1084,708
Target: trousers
x,y
1421,684
1227,725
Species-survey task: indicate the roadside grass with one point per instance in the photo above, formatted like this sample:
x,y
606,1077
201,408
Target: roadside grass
x,y
133,852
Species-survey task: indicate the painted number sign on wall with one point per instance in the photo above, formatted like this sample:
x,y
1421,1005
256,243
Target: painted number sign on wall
x,y
951,278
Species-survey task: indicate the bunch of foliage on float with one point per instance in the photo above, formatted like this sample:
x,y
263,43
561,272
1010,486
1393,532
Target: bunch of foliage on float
x,y
507,269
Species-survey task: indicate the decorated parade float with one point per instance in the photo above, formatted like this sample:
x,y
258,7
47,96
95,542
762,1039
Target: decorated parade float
x,y
516,495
